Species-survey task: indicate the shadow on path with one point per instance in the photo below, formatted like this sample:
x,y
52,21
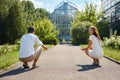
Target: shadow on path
x,y
14,72
87,67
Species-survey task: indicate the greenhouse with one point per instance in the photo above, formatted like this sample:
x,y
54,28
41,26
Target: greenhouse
x,y
62,17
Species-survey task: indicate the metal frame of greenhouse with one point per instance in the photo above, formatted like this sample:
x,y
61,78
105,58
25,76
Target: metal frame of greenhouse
x,y
62,17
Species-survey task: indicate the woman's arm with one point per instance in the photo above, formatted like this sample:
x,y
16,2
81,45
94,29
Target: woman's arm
x,y
89,46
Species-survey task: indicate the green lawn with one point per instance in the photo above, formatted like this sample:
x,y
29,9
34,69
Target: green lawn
x,y
8,59
11,58
115,54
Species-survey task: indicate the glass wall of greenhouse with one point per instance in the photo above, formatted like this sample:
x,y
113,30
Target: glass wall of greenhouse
x,y
62,17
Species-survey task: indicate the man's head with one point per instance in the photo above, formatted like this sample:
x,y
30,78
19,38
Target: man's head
x,y
30,30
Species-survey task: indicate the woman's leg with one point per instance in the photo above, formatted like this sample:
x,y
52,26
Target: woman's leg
x,y
86,51
94,60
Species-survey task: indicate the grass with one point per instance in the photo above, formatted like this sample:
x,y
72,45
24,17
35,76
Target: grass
x,y
10,58
113,53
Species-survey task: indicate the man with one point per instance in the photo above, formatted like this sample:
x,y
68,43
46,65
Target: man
x,y
27,52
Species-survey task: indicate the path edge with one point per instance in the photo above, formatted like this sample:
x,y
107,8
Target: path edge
x,y
111,59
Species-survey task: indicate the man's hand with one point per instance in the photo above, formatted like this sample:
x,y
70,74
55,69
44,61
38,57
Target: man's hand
x,y
44,47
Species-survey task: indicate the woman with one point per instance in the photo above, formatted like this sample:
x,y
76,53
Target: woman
x,y
94,49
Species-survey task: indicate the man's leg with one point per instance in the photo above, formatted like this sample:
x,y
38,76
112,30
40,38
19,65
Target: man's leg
x,y
97,61
26,60
37,55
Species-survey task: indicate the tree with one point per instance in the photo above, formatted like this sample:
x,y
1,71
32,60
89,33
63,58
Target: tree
x,y
103,28
4,7
90,14
83,20
15,23
16,16
32,14
29,13
41,13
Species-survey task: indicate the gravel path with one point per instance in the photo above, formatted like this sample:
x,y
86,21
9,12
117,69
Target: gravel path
x,y
64,62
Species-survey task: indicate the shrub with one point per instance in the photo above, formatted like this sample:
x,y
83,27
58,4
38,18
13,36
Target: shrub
x,y
3,49
113,41
8,48
51,40
79,32
46,31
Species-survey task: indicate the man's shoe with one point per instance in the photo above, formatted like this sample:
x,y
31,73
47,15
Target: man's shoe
x,y
34,66
26,66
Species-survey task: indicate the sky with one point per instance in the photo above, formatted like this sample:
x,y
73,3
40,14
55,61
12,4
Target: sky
x,y
50,5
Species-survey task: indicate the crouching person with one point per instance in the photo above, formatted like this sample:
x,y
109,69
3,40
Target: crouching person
x,y
27,52
94,49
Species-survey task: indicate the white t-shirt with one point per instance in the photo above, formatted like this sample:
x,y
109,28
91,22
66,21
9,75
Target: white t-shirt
x,y
27,45
96,44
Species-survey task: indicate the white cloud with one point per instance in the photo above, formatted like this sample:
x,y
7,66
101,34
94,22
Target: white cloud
x,y
80,8
48,5
37,3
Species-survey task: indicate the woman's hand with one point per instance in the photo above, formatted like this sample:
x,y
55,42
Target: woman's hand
x,y
83,49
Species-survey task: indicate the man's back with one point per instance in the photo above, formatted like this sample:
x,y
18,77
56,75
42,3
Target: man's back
x,y
27,45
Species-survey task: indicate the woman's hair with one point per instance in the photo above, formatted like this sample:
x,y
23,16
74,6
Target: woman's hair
x,y
95,32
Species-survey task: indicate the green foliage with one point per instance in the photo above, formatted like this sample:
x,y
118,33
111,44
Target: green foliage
x,y
51,40
112,42
12,24
103,28
84,19
16,23
90,14
41,13
113,53
32,14
8,48
4,7
3,49
45,30
8,59
79,32
15,17
117,26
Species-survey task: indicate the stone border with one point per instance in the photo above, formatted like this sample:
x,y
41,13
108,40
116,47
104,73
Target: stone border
x,y
112,59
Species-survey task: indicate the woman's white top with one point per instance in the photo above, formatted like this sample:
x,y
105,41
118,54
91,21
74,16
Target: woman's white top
x,y
96,45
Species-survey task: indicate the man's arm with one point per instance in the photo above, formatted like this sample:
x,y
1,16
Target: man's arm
x,y
40,43
43,46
